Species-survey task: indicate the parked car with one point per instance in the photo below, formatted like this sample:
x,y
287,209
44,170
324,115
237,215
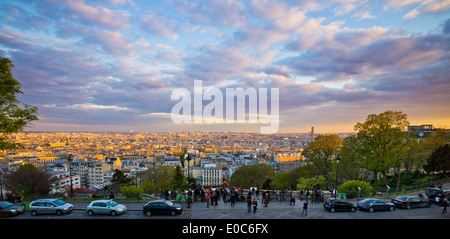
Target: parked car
x,y
334,205
409,202
433,192
162,207
373,204
105,207
8,209
50,206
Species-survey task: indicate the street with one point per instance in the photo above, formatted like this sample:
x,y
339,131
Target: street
x,y
275,210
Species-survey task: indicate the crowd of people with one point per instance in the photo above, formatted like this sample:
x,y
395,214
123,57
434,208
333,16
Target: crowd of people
x,y
211,197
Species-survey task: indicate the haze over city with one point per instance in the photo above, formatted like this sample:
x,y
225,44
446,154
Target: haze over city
x,y
113,65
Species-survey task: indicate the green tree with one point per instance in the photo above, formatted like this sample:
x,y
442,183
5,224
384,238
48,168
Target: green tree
x,y
280,181
29,180
321,154
439,160
350,164
257,175
311,183
131,192
14,115
158,179
179,182
352,187
120,178
381,141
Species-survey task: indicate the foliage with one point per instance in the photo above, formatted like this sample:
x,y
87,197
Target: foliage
x,y
321,154
409,178
351,187
280,181
29,180
158,179
257,175
439,160
131,192
179,182
381,141
120,178
13,117
311,183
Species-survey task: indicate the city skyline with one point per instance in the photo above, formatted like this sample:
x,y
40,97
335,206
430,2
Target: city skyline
x,y
111,66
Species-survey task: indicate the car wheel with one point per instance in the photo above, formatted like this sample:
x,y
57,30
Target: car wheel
x,y
148,213
408,206
371,209
353,209
58,213
332,210
391,209
33,213
90,213
113,213
6,215
428,204
173,213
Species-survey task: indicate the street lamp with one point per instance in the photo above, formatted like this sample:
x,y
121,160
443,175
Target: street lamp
x,y
338,158
70,173
188,159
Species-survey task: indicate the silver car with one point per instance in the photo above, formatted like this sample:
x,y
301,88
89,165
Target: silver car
x,y
105,207
50,206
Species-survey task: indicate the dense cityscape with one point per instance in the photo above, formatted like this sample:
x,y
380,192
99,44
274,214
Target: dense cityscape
x,y
135,152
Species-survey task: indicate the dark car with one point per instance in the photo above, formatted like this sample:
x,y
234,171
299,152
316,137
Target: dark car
x,y
373,204
409,202
433,192
335,205
8,209
162,207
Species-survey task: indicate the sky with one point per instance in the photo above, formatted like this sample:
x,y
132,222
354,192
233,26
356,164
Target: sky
x,y
113,65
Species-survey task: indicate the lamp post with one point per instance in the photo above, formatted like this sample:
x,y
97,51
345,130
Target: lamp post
x,y
188,159
338,158
70,173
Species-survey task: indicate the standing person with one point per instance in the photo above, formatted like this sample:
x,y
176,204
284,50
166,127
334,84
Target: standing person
x,y
445,205
266,199
189,198
312,198
249,202
232,199
305,208
208,198
255,205
263,196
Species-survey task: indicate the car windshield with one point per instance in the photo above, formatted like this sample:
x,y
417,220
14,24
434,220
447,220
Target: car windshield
x,y
59,202
5,204
169,203
401,198
112,203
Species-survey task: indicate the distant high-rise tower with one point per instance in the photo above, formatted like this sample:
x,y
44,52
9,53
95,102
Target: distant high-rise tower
x,y
312,131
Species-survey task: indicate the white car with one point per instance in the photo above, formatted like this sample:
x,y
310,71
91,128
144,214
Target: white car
x,y
105,207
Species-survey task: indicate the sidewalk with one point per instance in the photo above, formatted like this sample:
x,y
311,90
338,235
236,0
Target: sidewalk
x,y
274,204
138,206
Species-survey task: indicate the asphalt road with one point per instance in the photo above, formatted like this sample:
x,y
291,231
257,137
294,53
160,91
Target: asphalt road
x,y
275,210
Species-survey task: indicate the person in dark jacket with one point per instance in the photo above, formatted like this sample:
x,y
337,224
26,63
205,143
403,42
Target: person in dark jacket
x,y
305,208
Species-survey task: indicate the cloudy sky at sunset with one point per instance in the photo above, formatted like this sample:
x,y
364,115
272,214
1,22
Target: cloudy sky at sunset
x,y
112,65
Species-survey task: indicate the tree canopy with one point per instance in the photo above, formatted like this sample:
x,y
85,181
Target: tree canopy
x,y
14,115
